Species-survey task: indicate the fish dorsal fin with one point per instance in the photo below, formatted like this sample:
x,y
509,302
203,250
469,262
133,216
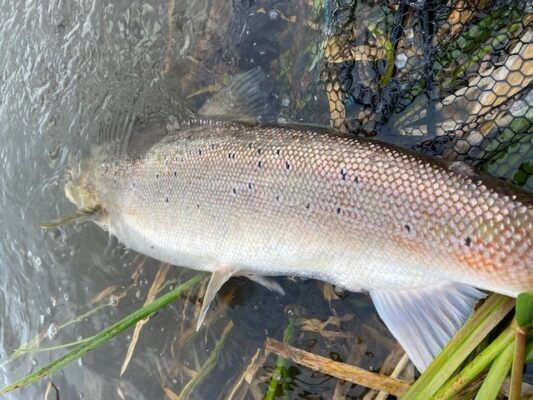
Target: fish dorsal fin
x,y
243,99
78,215
219,276
423,320
115,133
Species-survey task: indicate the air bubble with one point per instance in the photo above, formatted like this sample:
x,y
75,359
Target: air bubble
x,y
113,300
273,14
52,331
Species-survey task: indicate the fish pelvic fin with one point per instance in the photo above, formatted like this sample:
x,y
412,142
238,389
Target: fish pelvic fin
x,y
78,215
219,276
423,320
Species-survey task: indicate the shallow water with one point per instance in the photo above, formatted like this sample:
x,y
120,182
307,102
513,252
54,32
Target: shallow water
x,y
66,69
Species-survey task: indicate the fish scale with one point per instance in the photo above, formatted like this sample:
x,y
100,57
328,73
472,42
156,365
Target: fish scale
x,y
258,200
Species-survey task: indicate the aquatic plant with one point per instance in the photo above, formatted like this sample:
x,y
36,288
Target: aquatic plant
x,y
445,378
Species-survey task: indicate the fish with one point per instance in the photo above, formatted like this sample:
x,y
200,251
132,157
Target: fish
x,y
423,237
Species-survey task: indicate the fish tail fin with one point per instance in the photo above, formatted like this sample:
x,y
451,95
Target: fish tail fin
x,y
423,320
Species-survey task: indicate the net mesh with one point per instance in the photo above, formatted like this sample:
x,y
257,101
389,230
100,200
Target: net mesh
x,y
448,78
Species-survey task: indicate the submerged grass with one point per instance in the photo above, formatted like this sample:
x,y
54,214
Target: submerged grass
x,y
209,364
280,375
106,335
442,380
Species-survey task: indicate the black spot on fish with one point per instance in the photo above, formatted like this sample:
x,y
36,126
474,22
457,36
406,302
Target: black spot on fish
x,y
212,146
175,173
198,206
468,241
250,185
407,228
277,197
259,151
199,152
343,175
260,164
307,206
157,176
278,152
287,165
166,200
338,210
356,180
250,145
234,191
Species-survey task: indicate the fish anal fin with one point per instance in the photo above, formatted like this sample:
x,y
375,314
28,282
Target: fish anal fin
x,y
219,276
267,282
423,320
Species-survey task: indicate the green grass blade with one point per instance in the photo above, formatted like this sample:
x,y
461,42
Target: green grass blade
x,y
495,308
477,365
279,376
497,373
524,309
107,334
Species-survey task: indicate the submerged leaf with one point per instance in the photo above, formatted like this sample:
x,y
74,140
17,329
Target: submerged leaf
x,y
154,289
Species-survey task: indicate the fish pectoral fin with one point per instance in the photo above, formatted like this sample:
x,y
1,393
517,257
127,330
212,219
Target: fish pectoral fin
x,y
78,215
219,276
423,320
267,282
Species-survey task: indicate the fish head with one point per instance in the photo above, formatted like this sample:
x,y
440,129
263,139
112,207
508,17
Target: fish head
x,y
80,185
